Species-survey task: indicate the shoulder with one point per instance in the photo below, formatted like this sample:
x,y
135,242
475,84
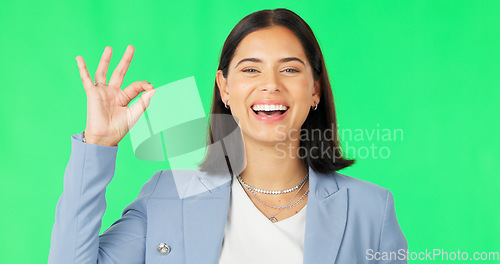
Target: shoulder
x,y
364,195
371,209
359,186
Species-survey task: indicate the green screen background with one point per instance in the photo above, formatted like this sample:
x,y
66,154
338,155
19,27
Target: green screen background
x,y
429,68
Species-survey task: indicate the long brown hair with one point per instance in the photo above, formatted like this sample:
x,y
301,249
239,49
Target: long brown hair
x,y
224,144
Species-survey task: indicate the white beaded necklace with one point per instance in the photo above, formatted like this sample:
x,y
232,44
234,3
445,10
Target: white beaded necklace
x,y
272,192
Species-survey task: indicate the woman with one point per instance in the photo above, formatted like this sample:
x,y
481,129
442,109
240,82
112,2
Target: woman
x,y
270,194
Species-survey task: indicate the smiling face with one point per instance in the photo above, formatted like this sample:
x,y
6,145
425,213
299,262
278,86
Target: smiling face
x,y
269,71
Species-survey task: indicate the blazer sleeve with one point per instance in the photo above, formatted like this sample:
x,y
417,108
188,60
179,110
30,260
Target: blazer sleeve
x,y
75,234
392,240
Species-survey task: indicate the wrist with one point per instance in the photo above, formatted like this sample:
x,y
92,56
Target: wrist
x,y
89,139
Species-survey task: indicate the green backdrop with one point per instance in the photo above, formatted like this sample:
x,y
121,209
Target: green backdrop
x,y
428,69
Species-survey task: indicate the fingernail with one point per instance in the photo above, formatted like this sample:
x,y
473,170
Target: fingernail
x,y
150,93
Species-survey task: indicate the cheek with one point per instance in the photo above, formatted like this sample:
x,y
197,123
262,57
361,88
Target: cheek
x,y
239,83
239,91
300,89
238,95
301,92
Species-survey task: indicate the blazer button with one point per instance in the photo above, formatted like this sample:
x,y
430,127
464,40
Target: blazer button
x,y
163,248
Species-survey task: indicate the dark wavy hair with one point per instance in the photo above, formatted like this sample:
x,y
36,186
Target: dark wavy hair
x,y
224,144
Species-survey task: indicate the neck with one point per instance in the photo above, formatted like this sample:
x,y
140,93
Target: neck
x,y
273,166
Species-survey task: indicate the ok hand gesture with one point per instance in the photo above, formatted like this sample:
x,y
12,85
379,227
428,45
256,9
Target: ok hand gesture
x,y
108,116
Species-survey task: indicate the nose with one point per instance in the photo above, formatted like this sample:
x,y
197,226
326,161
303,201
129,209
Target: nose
x,y
270,82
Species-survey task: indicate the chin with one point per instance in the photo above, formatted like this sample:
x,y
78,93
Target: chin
x,y
267,136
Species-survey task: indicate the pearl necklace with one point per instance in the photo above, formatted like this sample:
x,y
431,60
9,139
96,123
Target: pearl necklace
x,y
272,192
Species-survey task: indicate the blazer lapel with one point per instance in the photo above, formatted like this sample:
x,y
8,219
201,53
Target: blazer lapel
x,y
204,217
325,218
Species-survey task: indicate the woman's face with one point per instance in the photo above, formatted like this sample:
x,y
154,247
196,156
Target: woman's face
x,y
269,69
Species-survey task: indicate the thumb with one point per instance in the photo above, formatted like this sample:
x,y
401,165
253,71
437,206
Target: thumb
x,y
140,106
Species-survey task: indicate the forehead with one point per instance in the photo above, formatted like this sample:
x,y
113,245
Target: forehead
x,y
270,44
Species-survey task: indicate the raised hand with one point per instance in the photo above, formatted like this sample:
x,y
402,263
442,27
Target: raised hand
x,y
108,116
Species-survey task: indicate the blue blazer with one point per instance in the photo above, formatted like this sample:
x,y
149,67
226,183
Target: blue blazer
x,y
347,220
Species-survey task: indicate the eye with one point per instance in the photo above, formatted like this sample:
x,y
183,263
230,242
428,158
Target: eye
x,y
249,70
290,70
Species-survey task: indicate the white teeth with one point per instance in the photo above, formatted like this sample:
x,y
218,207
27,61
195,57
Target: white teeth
x,y
269,107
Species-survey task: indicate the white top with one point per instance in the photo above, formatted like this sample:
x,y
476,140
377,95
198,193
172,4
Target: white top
x,y
250,237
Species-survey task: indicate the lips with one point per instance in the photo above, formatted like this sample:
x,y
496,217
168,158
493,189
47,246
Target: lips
x,y
269,110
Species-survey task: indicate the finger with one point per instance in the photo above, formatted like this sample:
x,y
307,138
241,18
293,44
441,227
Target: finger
x,y
84,73
102,69
136,88
139,107
121,69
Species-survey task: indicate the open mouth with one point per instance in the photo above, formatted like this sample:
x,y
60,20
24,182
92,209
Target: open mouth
x,y
269,113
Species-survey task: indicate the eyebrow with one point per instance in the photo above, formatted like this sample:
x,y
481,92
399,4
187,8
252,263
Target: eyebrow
x,y
287,59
